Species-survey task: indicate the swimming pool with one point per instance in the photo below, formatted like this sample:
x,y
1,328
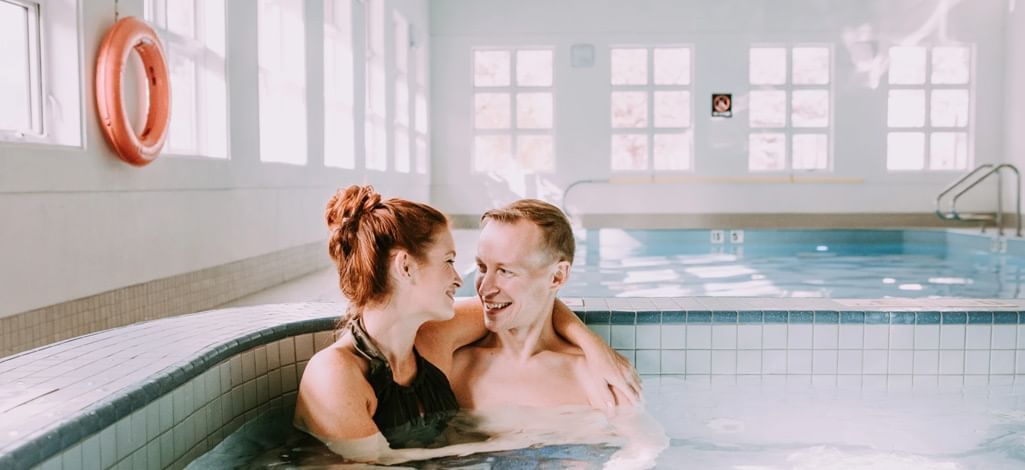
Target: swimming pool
x,y
794,263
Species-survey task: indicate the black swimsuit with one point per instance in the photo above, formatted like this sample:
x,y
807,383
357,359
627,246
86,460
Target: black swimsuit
x,y
398,415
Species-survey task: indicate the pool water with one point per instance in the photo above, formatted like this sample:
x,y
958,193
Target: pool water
x,y
757,426
789,263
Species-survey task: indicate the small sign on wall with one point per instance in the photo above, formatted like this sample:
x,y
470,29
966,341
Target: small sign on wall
x,y
722,105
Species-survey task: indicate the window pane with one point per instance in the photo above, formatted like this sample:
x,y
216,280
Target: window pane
x,y
377,156
906,108
672,109
181,132
629,109
534,68
948,151
421,113
768,108
905,151
768,66
767,152
535,152
181,17
811,151
672,151
951,65
401,43
491,110
811,65
421,155
375,89
949,108
810,108
491,68
629,66
492,152
672,66
534,110
629,151
15,74
907,65
402,102
281,52
402,150
339,133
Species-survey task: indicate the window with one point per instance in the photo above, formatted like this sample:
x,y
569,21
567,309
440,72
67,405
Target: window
x,y
929,107
420,114
20,83
40,72
651,108
339,91
402,119
193,33
282,52
513,110
375,123
789,108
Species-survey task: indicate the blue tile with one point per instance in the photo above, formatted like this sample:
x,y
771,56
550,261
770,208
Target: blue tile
x,y
775,316
750,317
980,318
724,317
624,318
649,318
827,317
877,318
927,318
674,317
954,318
802,317
852,317
902,318
581,315
597,318
699,317
1005,318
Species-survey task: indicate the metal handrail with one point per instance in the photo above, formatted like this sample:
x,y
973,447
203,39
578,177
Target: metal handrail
x,y
999,219
565,192
953,186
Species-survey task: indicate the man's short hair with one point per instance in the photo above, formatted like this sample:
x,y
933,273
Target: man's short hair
x,y
556,233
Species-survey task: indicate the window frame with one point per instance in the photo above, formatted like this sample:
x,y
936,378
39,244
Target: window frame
x,y
511,90
650,130
928,129
789,131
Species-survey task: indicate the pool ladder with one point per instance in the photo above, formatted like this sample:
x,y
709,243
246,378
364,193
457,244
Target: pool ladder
x,y
971,180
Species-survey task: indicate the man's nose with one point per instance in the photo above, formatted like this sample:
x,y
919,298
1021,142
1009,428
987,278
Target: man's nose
x,y
487,284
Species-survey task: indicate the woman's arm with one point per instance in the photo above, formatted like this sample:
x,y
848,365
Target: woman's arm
x,y
613,371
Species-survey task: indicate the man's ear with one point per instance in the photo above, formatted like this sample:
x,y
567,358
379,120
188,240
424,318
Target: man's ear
x,y
402,267
561,275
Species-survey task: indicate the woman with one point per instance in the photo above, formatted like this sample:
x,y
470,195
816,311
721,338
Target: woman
x,y
378,388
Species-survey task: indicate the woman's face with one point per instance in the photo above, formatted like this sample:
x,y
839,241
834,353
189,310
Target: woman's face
x,y
437,278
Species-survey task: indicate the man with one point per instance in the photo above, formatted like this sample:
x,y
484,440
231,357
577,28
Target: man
x,y
523,259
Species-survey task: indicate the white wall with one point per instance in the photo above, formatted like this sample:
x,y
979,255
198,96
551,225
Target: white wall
x,y
78,221
720,33
1014,103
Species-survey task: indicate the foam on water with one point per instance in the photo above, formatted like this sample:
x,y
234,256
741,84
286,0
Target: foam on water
x,y
718,426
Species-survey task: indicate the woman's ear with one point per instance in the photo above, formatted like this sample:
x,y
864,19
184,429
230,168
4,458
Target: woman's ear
x,y
403,267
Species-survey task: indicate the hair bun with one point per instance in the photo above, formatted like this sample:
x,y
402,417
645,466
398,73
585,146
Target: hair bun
x,y
347,206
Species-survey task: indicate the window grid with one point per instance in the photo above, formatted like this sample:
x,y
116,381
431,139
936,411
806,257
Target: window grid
x,y
402,117
339,112
375,119
197,65
650,130
787,130
29,125
927,130
515,133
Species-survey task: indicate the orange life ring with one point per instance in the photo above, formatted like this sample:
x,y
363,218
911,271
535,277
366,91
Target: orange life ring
x,y
128,34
